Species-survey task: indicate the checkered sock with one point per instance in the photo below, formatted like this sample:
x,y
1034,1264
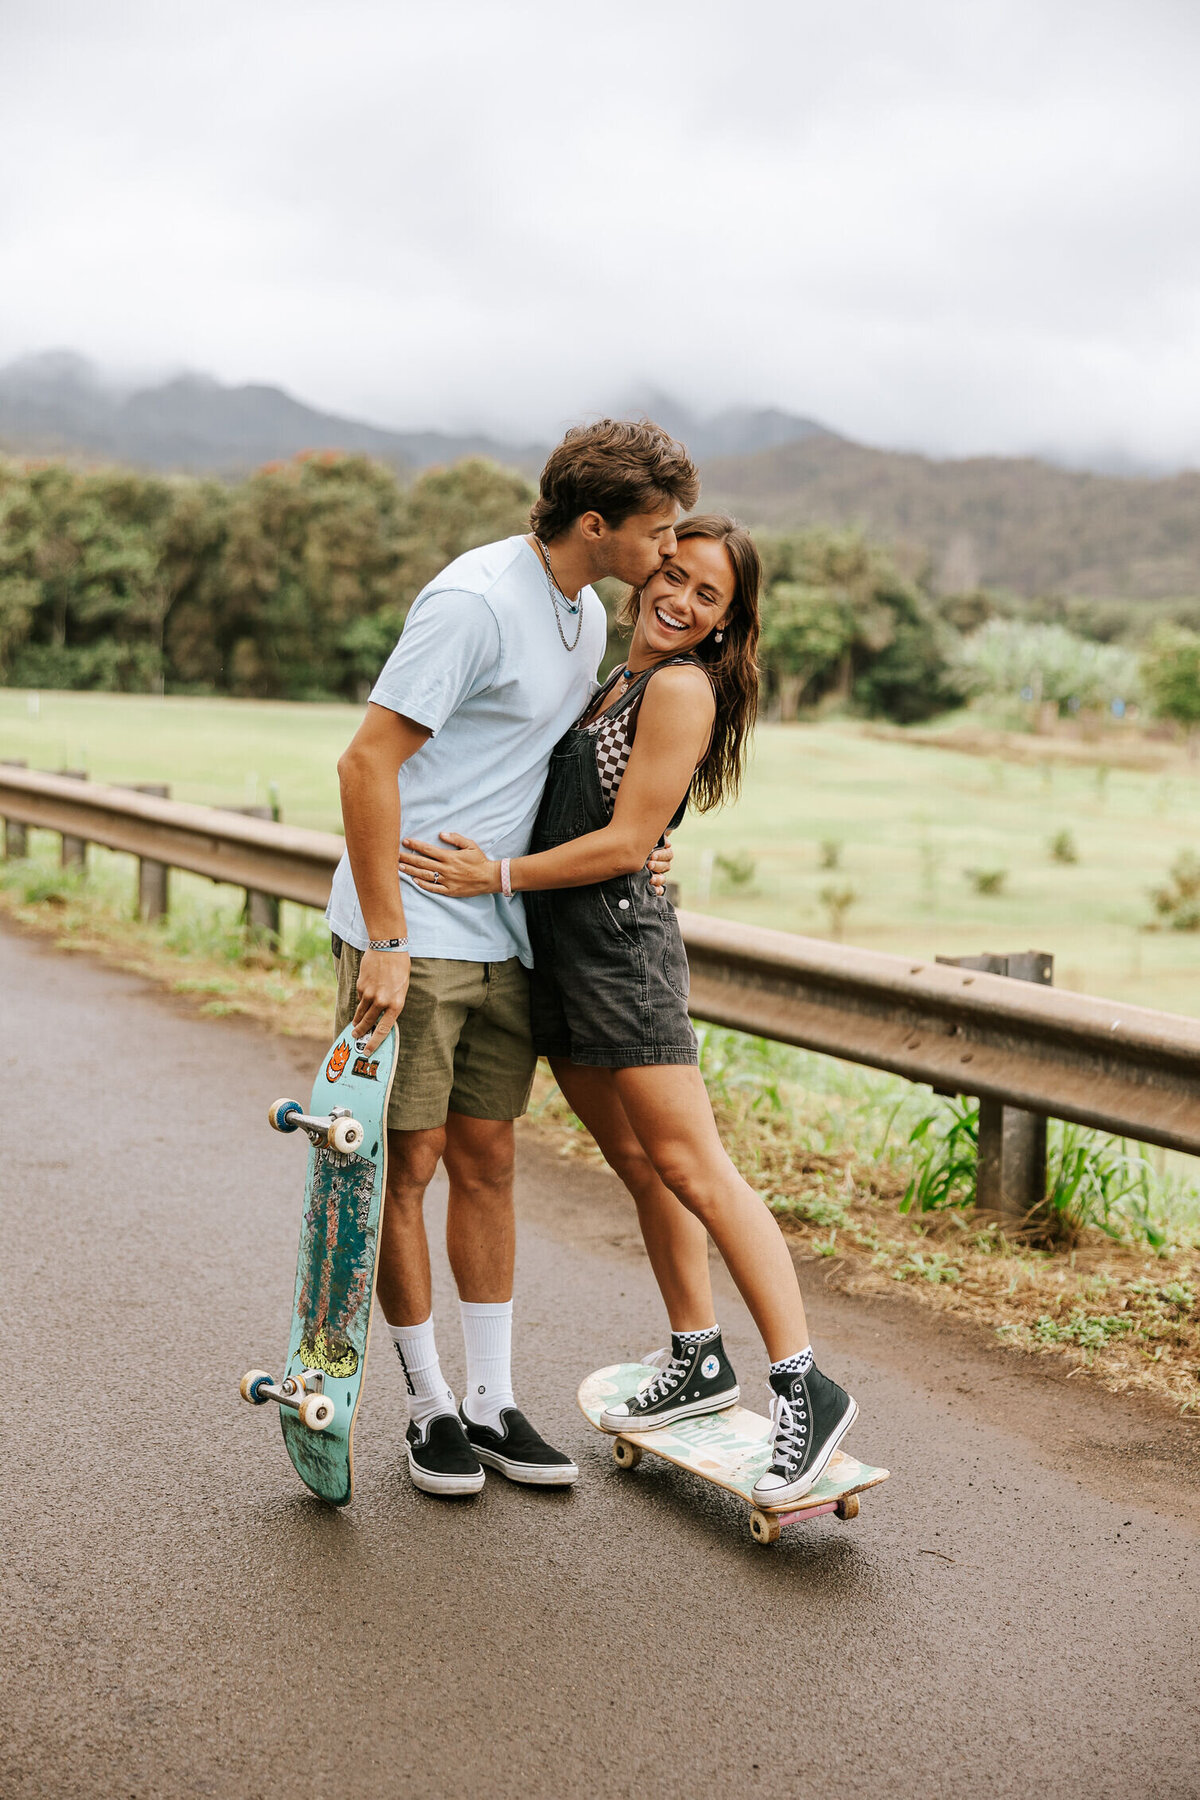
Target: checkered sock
x,y
687,1338
799,1364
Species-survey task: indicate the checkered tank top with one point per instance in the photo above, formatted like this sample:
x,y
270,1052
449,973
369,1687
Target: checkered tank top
x,y
613,731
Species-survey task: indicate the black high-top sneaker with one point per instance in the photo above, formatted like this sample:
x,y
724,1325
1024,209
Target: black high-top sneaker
x,y
440,1460
810,1415
693,1379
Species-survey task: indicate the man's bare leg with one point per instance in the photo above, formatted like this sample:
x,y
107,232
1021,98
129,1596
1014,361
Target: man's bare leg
x,y
440,1460
481,1234
404,1286
481,1244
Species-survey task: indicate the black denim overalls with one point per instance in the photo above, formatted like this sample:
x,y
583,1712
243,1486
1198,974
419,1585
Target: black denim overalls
x,y
610,974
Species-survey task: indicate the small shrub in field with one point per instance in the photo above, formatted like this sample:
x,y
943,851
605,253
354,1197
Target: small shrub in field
x,y
837,902
829,853
1063,848
736,871
987,881
1177,901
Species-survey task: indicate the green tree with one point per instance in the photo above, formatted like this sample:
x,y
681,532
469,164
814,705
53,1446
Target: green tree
x,y
80,570
1171,675
806,634
841,621
311,547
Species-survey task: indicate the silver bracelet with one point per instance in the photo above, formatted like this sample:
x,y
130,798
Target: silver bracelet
x,y
388,944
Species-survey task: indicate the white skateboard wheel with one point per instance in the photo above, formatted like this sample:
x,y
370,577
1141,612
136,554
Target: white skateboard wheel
x,y
625,1455
345,1135
278,1111
249,1384
316,1411
764,1527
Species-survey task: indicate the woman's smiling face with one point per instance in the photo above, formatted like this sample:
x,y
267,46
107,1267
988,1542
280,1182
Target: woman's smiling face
x,y
685,600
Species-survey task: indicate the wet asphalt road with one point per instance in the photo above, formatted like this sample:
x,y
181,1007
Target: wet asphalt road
x,y
1014,1613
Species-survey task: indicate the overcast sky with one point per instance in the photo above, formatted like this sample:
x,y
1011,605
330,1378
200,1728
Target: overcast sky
x,y
955,225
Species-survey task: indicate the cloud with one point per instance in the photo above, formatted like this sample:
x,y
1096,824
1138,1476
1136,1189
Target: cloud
x,y
958,228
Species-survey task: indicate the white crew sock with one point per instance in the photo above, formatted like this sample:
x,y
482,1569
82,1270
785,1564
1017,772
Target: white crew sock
x,y
487,1334
799,1364
428,1394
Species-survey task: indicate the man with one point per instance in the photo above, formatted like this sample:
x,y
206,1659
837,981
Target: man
x,y
497,659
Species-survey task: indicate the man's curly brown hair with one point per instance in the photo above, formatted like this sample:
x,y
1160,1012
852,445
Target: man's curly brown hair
x,y
615,467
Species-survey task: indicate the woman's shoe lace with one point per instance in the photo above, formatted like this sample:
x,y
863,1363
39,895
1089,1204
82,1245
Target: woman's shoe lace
x,y
789,1430
663,1385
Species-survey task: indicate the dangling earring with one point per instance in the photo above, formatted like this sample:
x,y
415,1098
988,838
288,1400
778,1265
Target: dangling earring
x,y
718,636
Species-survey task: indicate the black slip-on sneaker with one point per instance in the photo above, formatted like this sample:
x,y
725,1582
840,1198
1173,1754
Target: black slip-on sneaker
x,y
810,1415
518,1451
695,1379
440,1460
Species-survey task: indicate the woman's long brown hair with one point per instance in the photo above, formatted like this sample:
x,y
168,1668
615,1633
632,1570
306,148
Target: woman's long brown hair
x,y
731,665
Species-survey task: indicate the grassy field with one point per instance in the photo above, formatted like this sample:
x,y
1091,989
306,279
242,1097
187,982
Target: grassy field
x,y
904,824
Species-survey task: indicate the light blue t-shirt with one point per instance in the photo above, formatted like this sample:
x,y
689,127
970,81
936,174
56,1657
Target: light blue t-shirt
x,y
480,663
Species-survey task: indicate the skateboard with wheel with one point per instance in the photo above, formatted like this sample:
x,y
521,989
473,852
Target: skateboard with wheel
x,y
730,1448
319,1390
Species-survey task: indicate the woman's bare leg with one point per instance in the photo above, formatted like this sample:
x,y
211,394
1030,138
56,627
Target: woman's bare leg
x,y
668,1108
676,1241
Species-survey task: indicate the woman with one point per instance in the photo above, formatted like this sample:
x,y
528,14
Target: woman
x,y
610,982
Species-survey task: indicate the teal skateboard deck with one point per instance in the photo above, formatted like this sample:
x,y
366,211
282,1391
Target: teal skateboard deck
x,y
730,1449
320,1389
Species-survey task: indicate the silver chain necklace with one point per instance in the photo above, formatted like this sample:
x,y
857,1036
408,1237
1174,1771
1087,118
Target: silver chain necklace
x,y
556,594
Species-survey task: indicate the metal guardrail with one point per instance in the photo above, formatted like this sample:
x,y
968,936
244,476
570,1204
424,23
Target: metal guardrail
x,y
1124,1069
256,854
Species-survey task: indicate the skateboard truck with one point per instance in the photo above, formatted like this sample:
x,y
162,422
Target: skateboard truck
x,y
304,1394
336,1130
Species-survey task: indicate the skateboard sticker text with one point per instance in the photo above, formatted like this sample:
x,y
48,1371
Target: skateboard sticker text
x,y
336,1065
369,1070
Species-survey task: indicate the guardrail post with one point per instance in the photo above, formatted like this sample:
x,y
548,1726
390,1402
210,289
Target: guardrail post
x,y
1012,1143
152,895
261,911
74,849
16,840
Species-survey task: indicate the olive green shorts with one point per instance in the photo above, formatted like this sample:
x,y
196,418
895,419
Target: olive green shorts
x,y
465,1043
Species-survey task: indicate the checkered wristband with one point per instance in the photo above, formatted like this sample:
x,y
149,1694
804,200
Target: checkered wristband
x,y
506,878
387,943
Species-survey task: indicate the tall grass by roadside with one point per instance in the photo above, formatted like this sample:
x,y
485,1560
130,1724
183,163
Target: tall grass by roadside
x,y
1093,1181
202,949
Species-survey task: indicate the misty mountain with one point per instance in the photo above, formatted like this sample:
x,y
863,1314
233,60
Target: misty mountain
x,y
58,403
738,431
987,521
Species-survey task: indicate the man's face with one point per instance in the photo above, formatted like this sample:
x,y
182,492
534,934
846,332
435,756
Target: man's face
x,y
637,548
